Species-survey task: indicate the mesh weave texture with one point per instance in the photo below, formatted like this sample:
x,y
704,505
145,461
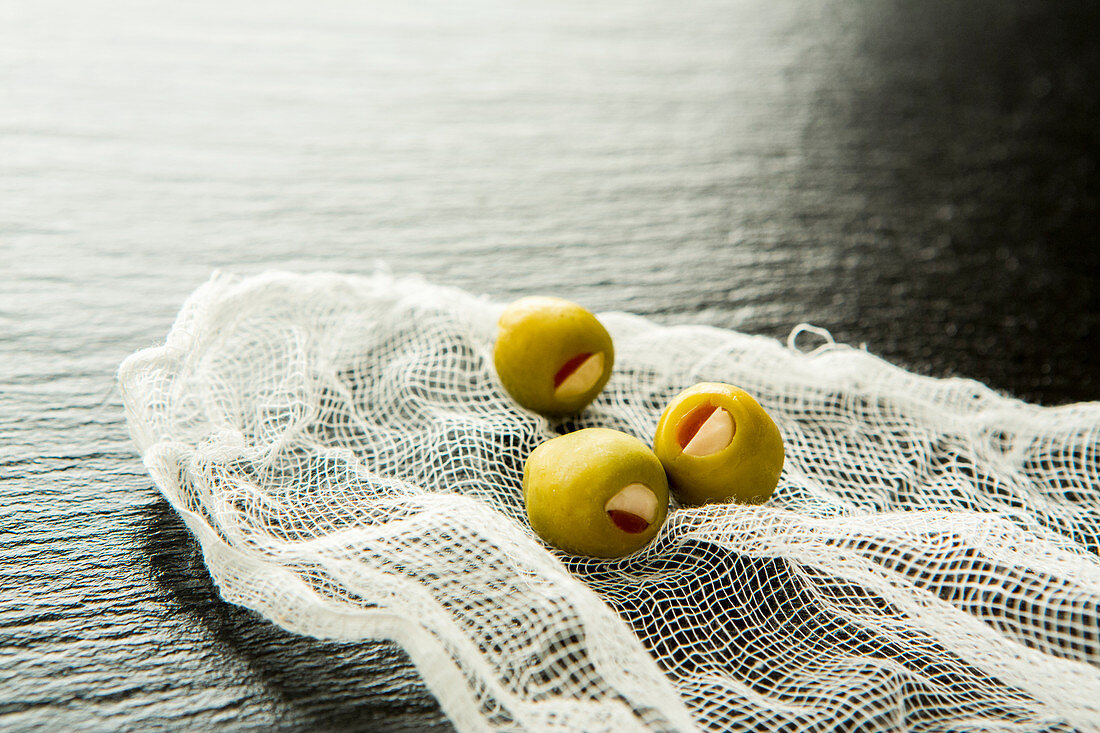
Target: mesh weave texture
x,y
351,466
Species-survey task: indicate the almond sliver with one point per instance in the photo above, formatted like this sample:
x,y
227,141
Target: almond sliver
x,y
581,378
637,499
712,436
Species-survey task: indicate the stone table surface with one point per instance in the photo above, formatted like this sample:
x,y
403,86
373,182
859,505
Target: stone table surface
x,y
917,177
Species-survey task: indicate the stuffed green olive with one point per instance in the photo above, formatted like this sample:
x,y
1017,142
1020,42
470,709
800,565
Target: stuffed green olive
x,y
552,356
595,492
718,445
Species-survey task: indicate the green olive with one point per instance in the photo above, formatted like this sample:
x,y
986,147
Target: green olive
x,y
595,492
719,445
551,355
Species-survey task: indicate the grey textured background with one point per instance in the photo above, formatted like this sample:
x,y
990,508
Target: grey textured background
x,y
916,176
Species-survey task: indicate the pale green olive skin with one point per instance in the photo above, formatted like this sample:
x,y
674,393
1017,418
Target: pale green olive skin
x,y
568,480
746,471
536,336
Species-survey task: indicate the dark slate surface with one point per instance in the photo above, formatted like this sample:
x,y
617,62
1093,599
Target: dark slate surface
x,y
920,177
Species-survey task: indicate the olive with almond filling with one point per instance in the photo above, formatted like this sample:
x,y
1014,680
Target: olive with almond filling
x,y
552,356
719,445
595,492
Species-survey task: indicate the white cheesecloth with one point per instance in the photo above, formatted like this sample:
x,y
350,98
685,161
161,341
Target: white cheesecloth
x,y
351,466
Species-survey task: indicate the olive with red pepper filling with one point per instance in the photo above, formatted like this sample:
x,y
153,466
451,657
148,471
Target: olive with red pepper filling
x,y
719,445
552,356
595,492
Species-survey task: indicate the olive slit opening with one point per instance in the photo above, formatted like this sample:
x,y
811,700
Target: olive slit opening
x,y
633,509
705,430
578,374
627,522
